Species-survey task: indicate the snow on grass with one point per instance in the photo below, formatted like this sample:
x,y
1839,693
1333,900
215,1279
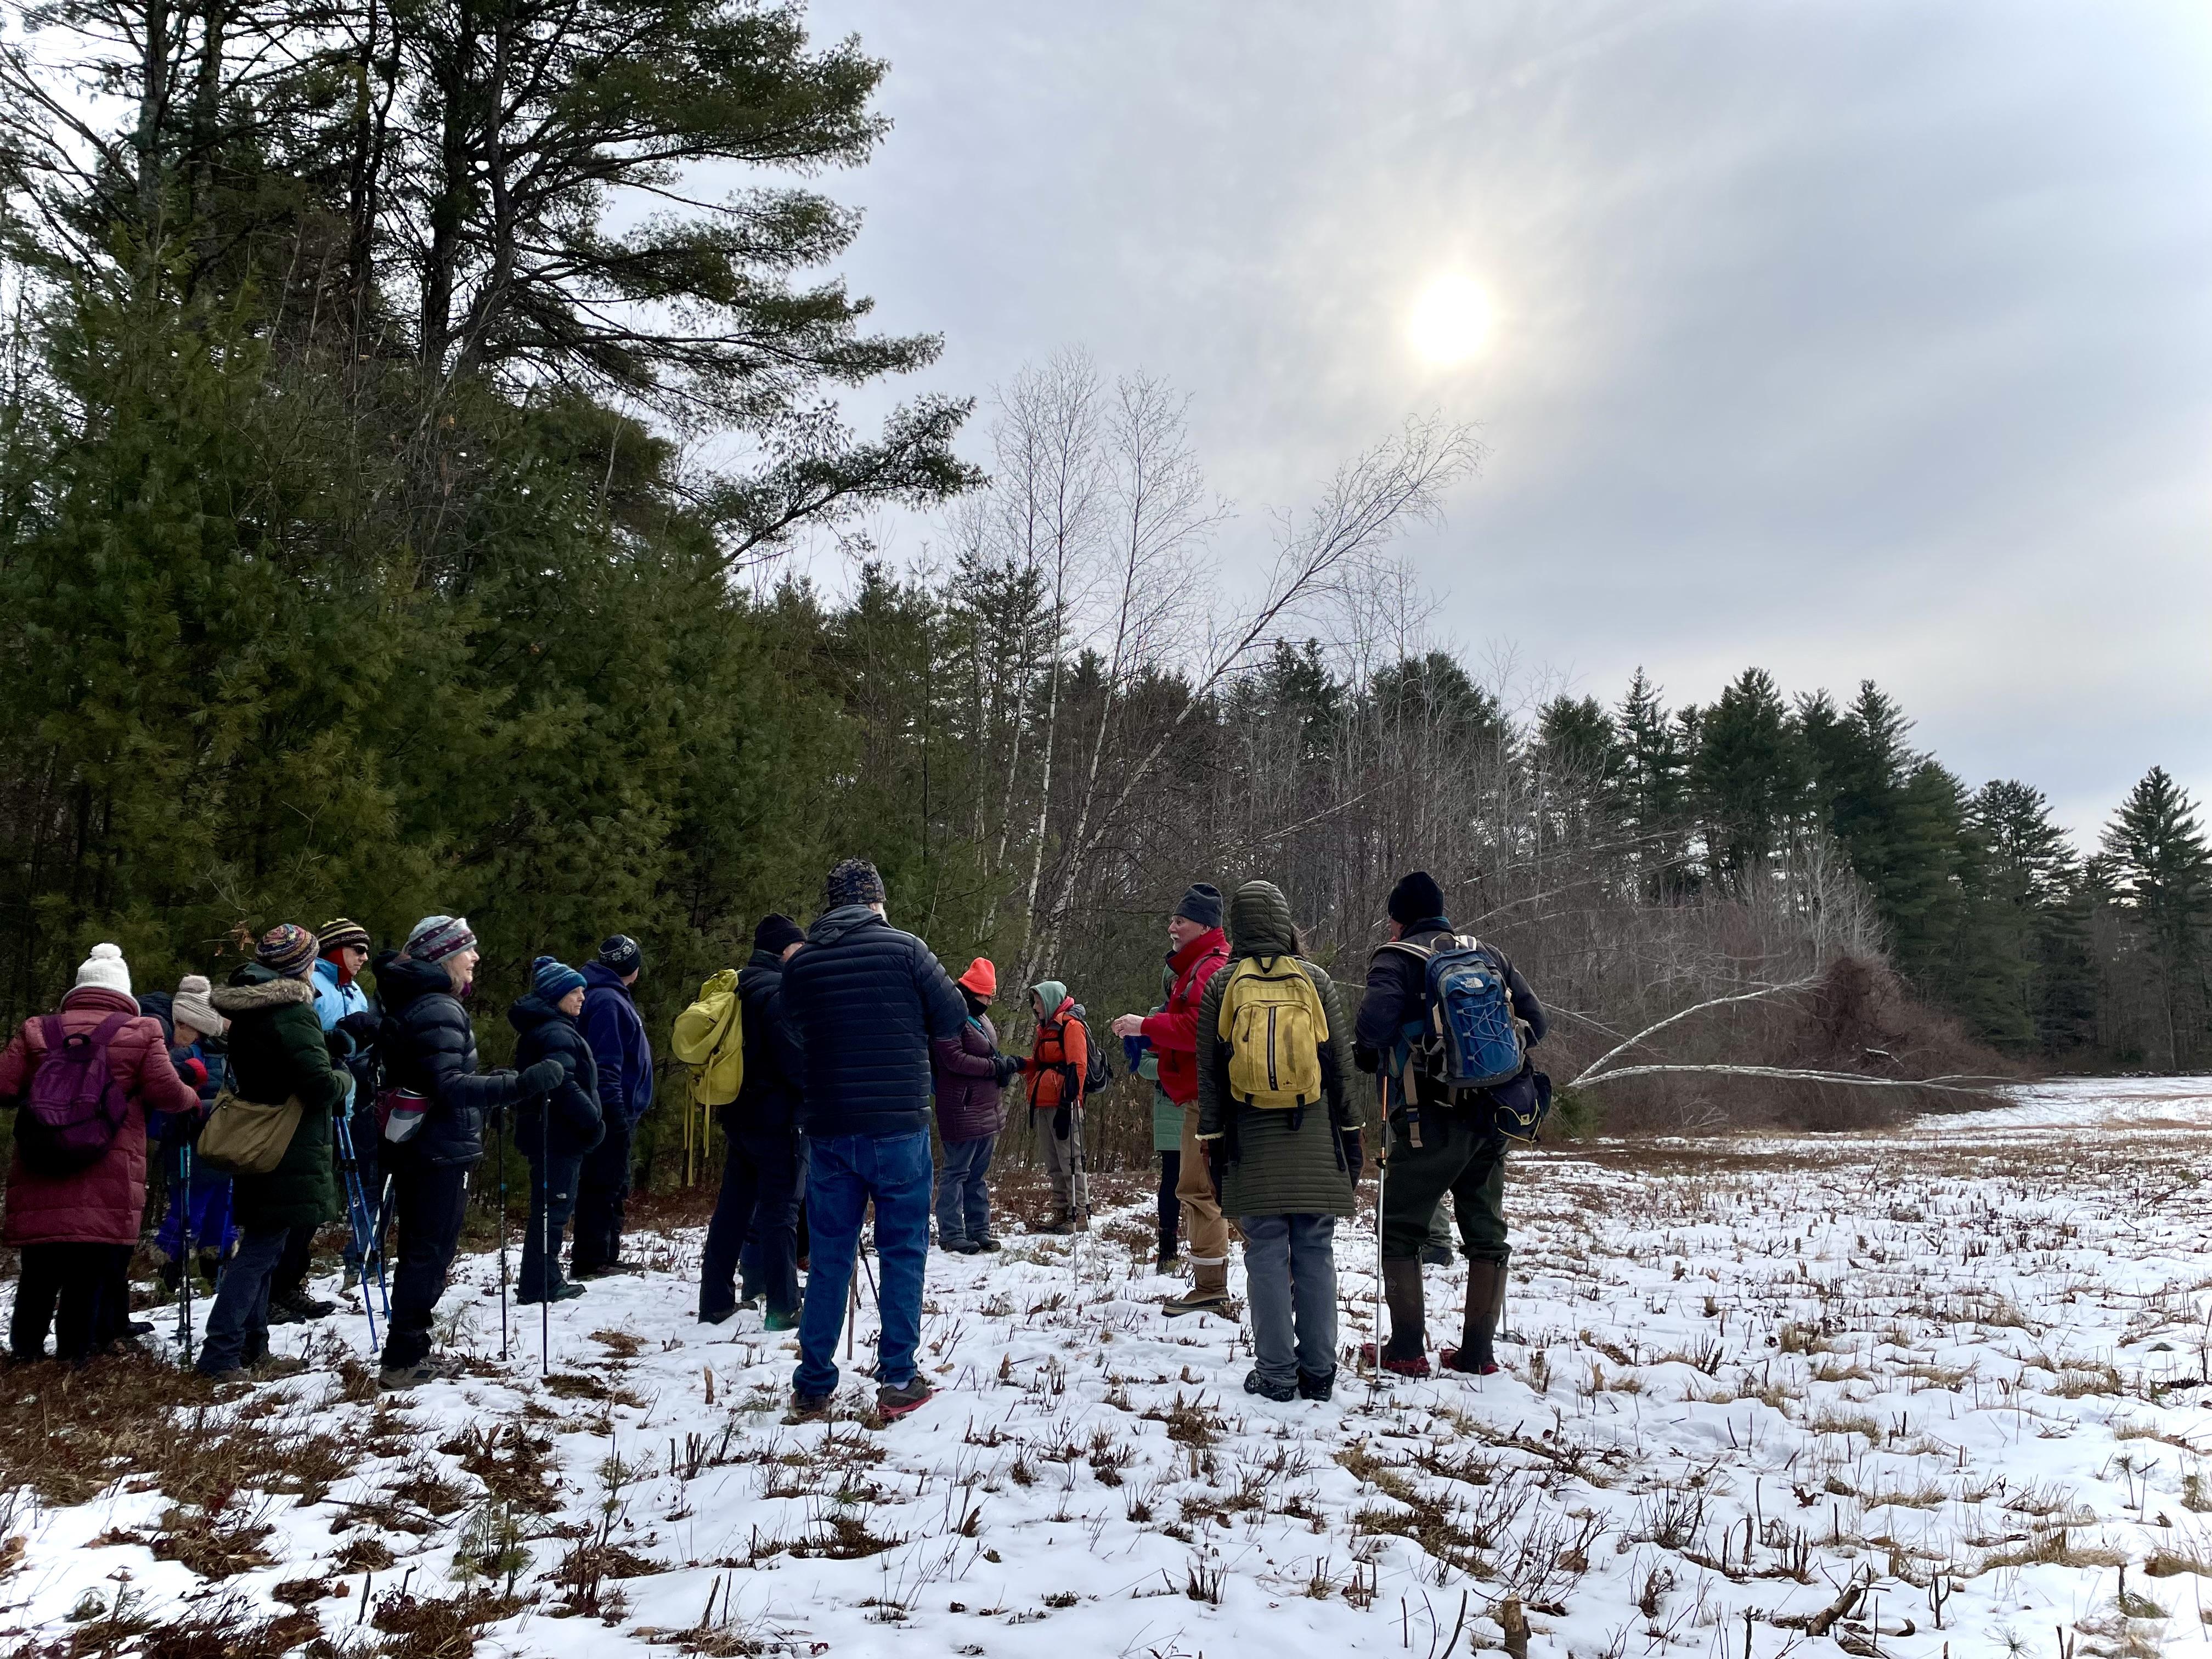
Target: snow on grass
x,y
1959,1368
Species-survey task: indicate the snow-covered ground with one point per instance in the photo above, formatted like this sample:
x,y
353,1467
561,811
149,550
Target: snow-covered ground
x,y
1961,1364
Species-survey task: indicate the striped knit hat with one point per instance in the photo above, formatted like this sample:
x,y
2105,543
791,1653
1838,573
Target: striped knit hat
x,y
338,932
553,980
436,938
190,1006
288,949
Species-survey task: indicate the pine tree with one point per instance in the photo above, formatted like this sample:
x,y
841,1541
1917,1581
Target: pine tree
x,y
2162,870
1653,787
1747,775
2026,891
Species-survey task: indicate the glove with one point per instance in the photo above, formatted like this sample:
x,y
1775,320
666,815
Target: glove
x,y
1216,1159
540,1079
364,1028
1062,1121
1017,1062
194,1073
337,1043
1004,1069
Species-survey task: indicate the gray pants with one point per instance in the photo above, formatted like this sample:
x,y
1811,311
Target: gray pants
x,y
1290,1283
1071,1190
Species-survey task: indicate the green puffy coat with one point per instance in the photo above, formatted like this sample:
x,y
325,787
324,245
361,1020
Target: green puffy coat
x,y
278,1051
1167,1116
1275,1168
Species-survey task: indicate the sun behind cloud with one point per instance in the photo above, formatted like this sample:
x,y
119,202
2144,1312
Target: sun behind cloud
x,y
1451,321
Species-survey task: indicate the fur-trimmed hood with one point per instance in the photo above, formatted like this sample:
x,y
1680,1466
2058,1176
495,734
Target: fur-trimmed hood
x,y
254,988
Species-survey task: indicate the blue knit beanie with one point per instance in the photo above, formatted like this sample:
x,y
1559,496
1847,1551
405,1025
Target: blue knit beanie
x,y
553,980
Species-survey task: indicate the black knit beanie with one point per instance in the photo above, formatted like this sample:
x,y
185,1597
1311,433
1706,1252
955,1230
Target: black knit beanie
x,y
1416,898
1202,904
620,956
777,933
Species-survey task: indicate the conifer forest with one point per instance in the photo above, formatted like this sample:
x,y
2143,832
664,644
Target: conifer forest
x,y
400,466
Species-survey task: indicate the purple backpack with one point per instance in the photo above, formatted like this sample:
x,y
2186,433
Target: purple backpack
x,y
75,1106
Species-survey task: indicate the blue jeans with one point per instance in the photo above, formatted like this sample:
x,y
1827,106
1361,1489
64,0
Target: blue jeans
x,y
238,1325
552,1198
963,1202
1290,1285
843,1172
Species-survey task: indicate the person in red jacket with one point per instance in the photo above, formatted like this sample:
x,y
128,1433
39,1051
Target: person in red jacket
x,y
76,1229
1200,949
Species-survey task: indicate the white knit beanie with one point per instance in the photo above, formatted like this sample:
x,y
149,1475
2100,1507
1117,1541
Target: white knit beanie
x,y
190,1006
106,968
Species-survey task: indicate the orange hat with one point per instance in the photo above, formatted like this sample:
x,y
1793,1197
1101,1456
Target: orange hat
x,y
982,978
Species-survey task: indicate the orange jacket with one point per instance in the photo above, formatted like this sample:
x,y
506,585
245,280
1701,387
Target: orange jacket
x,y
1059,1056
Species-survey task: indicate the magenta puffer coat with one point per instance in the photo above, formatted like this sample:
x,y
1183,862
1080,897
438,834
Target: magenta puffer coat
x,y
966,1073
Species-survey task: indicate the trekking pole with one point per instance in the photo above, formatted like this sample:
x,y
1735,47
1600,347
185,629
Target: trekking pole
x,y
1080,1190
184,1251
1382,1174
852,1306
544,1240
356,1214
383,1209
499,1151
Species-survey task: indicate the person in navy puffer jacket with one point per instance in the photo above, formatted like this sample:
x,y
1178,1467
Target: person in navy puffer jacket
x,y
865,1001
970,1074
556,1130
616,1030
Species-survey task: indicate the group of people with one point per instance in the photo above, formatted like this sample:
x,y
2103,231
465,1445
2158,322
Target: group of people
x,y
392,1109
851,1030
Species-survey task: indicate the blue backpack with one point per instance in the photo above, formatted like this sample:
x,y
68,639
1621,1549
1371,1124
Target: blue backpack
x,y
1468,1039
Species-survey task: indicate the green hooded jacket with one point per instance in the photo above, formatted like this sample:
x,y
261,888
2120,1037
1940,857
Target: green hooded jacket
x,y
1275,1168
277,1050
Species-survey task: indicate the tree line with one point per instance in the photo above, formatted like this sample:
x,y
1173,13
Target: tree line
x,y
402,438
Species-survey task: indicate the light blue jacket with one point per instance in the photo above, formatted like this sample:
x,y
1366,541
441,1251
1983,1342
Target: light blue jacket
x,y
334,1001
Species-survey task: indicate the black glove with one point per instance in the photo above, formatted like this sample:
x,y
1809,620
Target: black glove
x,y
1216,1159
337,1043
1004,1069
1062,1121
1017,1062
540,1079
363,1028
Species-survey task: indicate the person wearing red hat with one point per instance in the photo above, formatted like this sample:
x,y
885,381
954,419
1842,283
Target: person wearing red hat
x,y
1199,950
970,1075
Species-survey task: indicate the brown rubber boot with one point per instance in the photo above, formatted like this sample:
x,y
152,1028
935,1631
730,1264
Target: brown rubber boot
x,y
1208,1291
1405,1354
1485,1302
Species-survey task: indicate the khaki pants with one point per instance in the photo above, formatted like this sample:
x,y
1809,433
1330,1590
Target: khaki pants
x,y
1203,1224
1071,1188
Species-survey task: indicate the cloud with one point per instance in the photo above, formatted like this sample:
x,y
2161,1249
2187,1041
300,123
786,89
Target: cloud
x,y
1848,340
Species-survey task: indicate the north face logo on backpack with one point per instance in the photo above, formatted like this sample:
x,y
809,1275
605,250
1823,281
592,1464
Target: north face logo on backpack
x,y
76,1106
1469,1038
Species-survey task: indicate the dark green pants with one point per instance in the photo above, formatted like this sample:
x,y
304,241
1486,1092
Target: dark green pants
x,y
1453,1157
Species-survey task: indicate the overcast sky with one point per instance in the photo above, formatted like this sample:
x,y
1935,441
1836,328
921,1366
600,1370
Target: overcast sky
x,y
1848,339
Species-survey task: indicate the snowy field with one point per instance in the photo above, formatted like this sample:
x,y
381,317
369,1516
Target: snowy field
x,y
1940,1390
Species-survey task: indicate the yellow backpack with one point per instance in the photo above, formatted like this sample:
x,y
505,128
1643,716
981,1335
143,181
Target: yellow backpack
x,y
1273,1019
710,1038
